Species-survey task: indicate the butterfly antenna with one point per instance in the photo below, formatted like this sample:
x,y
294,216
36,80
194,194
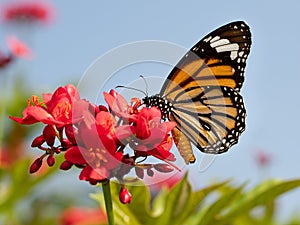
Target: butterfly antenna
x,y
145,81
132,88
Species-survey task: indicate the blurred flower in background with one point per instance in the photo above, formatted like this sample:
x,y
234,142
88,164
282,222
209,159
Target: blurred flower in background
x,y
17,49
262,158
164,180
83,216
27,12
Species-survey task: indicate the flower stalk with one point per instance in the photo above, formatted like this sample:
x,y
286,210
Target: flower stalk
x,y
108,202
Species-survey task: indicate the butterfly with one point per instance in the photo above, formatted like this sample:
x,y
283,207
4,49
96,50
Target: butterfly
x,y
201,93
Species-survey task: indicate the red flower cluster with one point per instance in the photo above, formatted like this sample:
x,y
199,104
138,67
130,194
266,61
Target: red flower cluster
x,y
94,138
27,11
17,49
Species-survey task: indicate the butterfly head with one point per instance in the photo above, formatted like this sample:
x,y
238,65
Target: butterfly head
x,y
162,104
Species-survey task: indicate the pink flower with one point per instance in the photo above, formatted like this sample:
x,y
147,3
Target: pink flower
x,y
161,180
27,11
262,158
18,48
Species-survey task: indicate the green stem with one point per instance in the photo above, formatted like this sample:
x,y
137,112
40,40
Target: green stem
x,y
108,202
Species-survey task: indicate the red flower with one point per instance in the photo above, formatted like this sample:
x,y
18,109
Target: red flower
x,y
56,109
83,216
152,136
97,154
27,11
118,105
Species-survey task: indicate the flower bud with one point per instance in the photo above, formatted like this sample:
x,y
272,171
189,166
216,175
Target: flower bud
x,y
102,108
70,133
163,168
38,141
150,172
36,165
65,143
124,195
139,172
49,135
66,165
50,160
93,181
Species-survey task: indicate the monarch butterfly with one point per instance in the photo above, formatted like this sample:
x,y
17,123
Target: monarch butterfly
x,y
201,94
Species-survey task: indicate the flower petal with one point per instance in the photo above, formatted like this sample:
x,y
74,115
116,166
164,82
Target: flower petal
x,y
73,155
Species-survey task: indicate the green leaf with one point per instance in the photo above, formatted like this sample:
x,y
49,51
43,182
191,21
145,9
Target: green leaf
x,y
197,199
210,213
176,202
260,195
159,202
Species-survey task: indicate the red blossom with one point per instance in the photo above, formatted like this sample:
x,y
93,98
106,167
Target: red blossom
x,y
27,11
56,109
118,105
98,154
152,135
93,138
83,216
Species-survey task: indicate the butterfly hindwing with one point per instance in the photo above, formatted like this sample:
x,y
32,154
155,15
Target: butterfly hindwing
x,y
212,119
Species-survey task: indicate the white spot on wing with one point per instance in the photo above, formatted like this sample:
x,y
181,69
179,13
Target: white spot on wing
x,y
207,39
219,43
228,48
233,55
214,39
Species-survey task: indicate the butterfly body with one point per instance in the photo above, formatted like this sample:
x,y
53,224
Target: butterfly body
x,y
201,93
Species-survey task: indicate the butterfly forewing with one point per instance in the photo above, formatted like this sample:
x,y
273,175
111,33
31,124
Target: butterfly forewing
x,y
218,59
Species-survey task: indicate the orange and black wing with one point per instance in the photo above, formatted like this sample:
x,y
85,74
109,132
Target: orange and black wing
x,y
204,90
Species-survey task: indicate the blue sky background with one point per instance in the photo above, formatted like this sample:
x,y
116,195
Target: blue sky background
x,y
85,30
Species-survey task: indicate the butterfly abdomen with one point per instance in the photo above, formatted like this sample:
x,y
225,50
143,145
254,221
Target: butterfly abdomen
x,y
166,107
